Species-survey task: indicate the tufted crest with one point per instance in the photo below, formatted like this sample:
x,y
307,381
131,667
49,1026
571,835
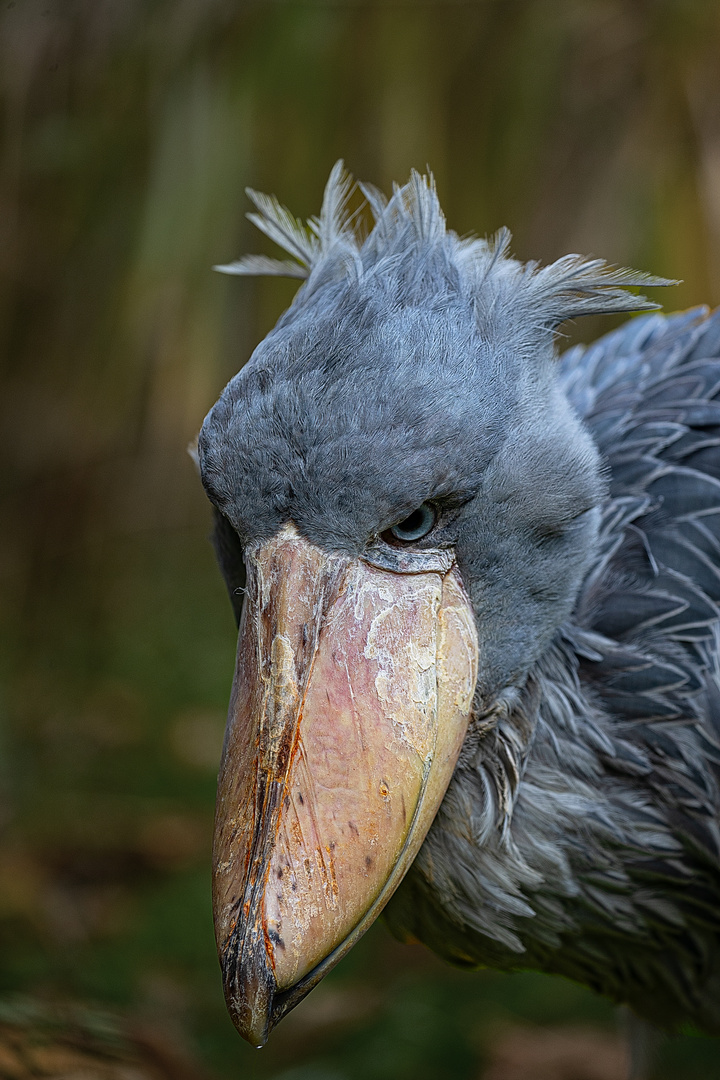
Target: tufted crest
x,y
409,228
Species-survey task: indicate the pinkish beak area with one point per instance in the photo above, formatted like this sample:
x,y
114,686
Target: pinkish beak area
x,y
350,703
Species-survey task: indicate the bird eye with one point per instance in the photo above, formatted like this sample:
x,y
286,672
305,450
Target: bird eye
x,y
416,525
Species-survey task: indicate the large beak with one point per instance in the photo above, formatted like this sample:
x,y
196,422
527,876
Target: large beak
x,y
350,703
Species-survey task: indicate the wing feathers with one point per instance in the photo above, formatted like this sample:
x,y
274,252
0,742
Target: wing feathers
x,y
650,394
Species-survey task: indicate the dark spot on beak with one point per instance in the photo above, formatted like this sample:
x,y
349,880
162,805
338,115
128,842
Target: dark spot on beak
x,y
276,939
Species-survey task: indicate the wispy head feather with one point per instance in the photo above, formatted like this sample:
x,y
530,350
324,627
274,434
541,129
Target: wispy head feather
x,y
409,232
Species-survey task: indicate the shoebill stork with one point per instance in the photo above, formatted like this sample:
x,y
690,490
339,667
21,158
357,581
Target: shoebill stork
x,y
478,594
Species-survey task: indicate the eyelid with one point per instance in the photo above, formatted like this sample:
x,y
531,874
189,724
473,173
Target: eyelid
x,y
406,559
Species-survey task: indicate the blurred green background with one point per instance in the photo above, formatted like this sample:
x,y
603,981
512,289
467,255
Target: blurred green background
x,y
129,131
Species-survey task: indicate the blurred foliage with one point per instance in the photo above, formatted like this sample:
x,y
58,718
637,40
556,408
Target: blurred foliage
x,y
129,131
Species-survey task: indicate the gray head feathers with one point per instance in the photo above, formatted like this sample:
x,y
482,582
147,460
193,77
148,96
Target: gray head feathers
x,y
410,231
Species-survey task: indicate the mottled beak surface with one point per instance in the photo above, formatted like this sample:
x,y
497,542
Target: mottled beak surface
x,y
351,699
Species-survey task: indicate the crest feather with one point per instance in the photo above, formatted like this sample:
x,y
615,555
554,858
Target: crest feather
x,y
575,286
287,231
333,223
410,224
423,207
376,199
255,265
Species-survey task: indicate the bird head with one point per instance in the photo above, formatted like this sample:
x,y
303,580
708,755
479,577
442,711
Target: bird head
x,y
415,504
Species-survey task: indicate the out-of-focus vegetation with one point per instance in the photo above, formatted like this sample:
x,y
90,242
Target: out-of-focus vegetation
x,y
129,131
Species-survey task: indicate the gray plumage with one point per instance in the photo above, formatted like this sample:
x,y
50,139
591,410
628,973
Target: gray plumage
x,y
581,830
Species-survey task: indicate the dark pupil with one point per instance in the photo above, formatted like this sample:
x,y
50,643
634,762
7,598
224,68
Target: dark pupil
x,y
416,525
413,523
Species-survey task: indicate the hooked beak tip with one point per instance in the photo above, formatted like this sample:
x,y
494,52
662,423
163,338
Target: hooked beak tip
x,y
249,987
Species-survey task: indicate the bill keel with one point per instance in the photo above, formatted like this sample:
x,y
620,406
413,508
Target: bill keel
x,y
352,693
